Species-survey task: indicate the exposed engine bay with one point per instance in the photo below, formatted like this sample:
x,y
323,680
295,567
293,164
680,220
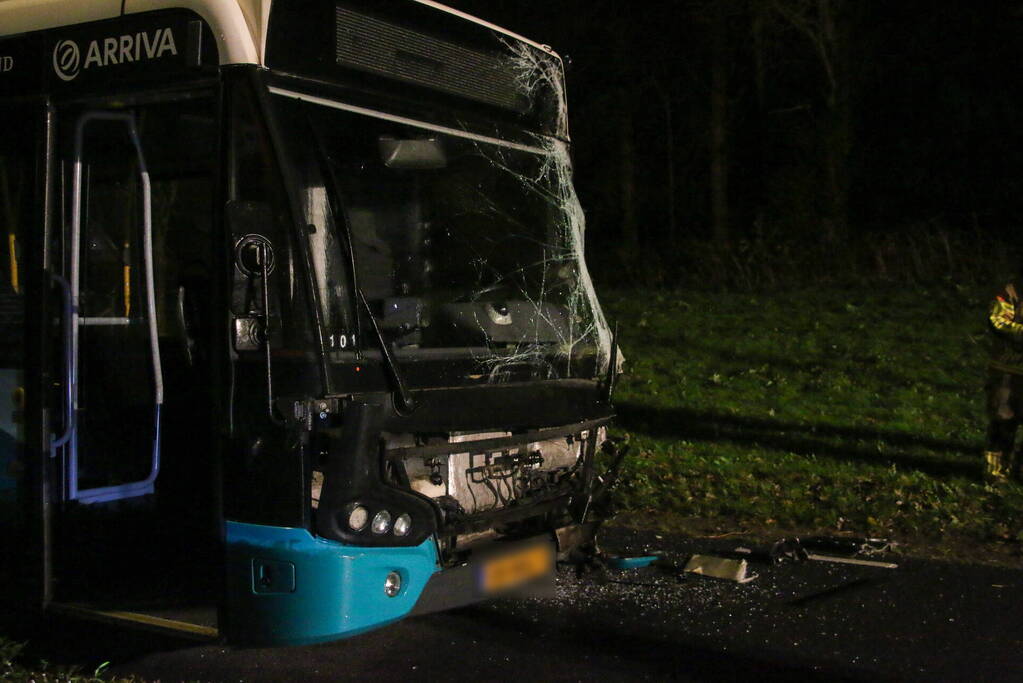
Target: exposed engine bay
x,y
481,480
493,484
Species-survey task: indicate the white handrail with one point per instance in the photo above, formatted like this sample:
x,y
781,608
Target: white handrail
x,y
143,486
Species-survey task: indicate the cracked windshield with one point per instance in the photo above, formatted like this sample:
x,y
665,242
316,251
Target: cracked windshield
x,y
463,245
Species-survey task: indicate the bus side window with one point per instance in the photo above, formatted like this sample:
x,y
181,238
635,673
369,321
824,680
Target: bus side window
x,y
112,250
15,209
12,189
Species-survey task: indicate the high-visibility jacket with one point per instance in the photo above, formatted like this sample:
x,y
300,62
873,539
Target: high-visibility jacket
x,y
1006,320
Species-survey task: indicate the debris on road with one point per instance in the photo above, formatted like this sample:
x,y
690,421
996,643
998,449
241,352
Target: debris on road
x,y
637,562
732,566
841,550
852,560
848,545
720,568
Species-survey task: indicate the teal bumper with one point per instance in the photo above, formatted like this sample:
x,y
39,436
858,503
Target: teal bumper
x,y
286,586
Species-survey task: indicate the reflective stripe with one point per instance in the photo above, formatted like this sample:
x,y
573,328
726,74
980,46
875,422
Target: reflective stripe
x,y
997,465
1003,318
182,628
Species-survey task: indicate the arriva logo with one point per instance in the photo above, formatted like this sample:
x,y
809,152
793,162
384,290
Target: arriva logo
x,y
67,59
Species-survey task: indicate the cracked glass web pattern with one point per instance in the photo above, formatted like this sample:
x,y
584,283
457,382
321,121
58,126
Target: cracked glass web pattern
x,y
464,244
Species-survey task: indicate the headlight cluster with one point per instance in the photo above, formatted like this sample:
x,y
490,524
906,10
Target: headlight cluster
x,y
381,522
359,517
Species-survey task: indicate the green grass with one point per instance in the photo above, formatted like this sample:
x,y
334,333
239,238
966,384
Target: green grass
x,y
818,410
15,667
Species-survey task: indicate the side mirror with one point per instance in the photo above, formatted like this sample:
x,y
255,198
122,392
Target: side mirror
x,y
250,224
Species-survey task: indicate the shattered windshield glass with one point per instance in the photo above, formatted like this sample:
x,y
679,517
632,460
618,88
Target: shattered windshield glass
x,y
463,244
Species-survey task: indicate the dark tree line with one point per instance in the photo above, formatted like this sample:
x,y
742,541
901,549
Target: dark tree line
x,y
826,123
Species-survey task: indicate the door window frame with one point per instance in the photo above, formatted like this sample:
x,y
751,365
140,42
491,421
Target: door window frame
x,y
145,485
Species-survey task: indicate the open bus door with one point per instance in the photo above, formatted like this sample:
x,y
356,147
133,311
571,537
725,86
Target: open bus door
x,y
136,532
113,370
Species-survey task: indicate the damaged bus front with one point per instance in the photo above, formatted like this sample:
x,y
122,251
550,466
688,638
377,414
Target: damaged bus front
x,y
298,335
464,360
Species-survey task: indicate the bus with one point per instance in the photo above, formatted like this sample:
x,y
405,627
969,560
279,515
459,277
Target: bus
x,y
297,338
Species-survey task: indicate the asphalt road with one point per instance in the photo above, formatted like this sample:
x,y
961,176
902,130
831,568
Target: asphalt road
x,y
923,621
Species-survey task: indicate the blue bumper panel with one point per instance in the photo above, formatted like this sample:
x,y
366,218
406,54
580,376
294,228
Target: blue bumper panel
x,y
285,586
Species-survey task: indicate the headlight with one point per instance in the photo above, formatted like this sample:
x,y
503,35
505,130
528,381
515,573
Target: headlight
x,y
403,525
381,522
357,518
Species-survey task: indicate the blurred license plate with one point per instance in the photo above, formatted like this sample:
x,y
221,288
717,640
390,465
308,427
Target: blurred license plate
x,y
513,569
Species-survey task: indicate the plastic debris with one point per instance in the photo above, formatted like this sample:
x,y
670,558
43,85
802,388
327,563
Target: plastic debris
x,y
851,560
851,545
637,562
849,551
727,568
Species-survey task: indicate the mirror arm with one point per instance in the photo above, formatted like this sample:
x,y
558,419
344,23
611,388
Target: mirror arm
x,y
263,261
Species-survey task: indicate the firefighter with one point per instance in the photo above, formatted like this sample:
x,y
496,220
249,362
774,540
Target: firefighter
x,y
1005,385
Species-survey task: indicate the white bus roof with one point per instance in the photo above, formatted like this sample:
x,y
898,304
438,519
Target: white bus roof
x,y
240,26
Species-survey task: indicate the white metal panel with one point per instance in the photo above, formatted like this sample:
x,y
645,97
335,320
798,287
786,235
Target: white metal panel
x,y
22,16
230,25
237,24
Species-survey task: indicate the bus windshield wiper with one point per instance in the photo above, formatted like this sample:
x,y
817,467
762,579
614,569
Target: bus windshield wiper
x,y
404,404
401,393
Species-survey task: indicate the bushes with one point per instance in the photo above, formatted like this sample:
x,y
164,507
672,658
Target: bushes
x,y
925,254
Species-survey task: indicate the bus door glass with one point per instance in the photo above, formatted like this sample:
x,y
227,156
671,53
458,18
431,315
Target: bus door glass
x,y
138,195
17,212
23,306
113,364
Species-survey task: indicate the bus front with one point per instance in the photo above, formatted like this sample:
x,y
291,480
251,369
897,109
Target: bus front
x,y
431,439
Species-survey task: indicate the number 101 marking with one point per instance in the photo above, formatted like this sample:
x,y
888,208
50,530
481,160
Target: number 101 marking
x,y
343,341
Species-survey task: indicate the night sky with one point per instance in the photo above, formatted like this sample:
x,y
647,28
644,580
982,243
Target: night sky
x,y
816,124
